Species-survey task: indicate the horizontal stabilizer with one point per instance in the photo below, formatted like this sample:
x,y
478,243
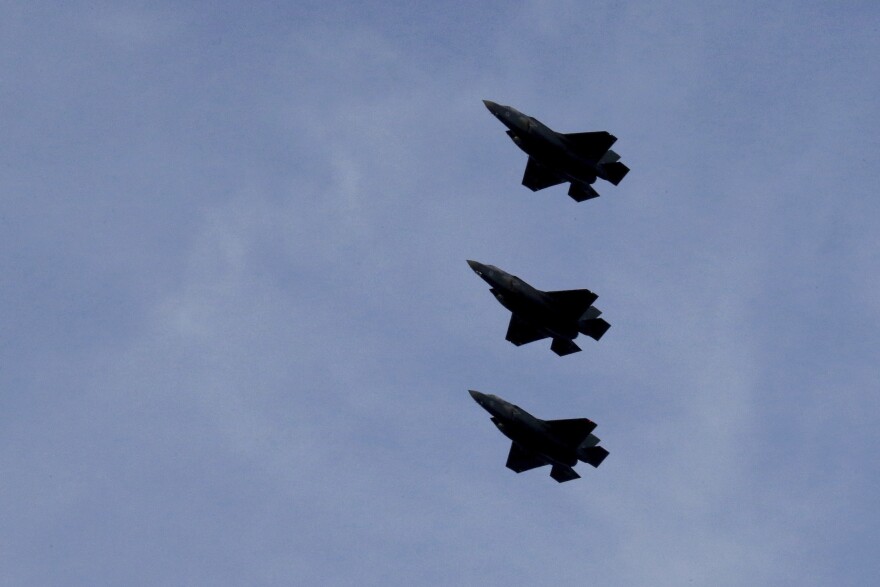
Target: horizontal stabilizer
x,y
593,455
592,145
564,346
563,474
581,191
614,172
594,328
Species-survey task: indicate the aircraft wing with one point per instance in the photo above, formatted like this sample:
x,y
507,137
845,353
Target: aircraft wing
x,y
572,431
580,192
564,346
563,474
573,302
592,145
520,460
520,332
537,177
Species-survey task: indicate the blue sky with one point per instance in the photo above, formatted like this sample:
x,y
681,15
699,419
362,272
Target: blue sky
x,y
239,330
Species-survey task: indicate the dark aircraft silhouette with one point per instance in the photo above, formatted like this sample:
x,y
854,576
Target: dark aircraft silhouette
x,y
536,442
556,158
537,314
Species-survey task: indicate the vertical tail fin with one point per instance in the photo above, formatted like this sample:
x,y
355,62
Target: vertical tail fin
x,y
609,157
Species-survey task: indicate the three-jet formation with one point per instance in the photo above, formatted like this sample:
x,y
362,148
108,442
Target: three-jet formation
x,y
537,314
536,442
556,158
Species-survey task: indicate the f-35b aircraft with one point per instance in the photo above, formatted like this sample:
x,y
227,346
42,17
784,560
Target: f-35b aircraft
x,y
537,314
536,442
556,158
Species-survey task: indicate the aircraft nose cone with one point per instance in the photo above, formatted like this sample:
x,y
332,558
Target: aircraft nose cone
x,y
492,106
476,266
476,395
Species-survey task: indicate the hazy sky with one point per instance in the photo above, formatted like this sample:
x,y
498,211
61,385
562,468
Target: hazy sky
x,y
238,328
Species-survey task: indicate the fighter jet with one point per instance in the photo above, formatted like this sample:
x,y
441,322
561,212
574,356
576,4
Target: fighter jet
x,y
556,158
536,442
537,314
